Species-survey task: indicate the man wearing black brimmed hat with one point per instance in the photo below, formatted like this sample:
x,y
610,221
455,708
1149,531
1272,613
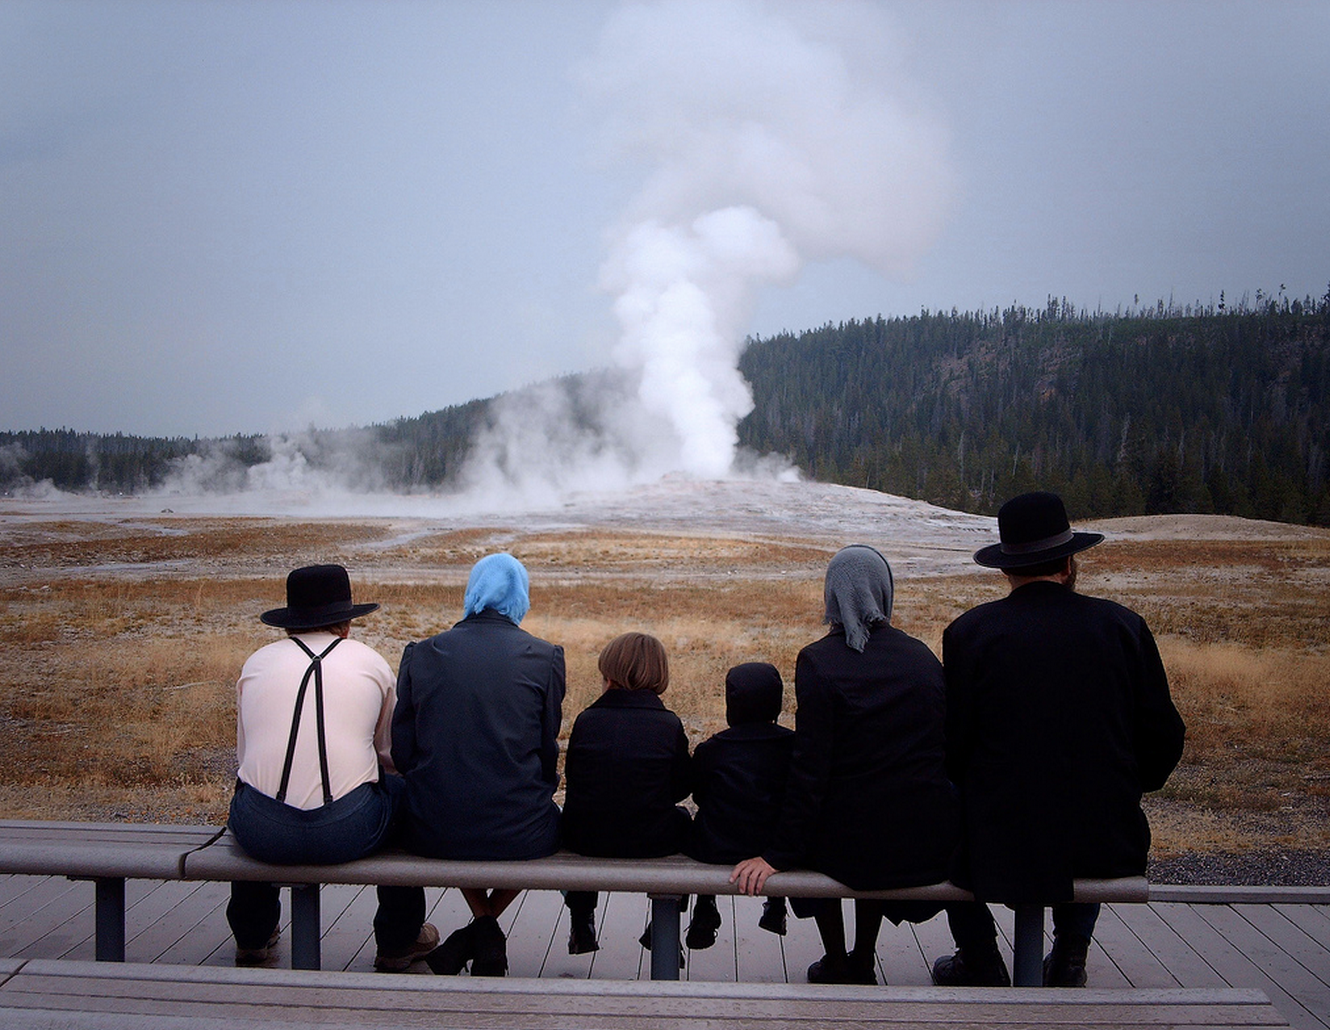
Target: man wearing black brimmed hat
x,y
1058,718
313,748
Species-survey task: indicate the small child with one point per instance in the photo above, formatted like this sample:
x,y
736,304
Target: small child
x,y
626,770
739,779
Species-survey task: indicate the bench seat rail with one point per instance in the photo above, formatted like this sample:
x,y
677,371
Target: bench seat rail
x,y
112,853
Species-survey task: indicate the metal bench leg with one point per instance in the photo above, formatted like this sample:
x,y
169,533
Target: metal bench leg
x,y
1028,967
305,926
665,936
110,919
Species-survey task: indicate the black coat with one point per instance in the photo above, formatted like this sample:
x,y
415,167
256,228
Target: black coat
x,y
868,801
1058,718
475,735
739,780
626,768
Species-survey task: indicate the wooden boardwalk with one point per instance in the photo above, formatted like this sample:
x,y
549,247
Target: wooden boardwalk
x,y
1281,949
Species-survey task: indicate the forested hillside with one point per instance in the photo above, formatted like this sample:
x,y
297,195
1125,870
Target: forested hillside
x,y
1218,410
1222,411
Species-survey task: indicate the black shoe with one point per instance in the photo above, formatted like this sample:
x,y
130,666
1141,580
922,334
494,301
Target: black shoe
x,y
1064,966
703,926
842,969
491,948
582,933
965,970
773,916
451,957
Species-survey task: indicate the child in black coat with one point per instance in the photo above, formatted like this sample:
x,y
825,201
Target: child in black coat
x,y
739,779
626,769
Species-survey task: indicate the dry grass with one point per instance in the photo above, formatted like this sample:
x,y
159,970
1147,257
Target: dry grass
x,y
120,643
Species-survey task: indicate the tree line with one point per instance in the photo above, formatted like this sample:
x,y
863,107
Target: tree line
x,y
1217,409
1214,411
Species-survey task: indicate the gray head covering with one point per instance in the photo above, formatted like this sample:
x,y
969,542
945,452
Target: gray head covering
x,y
858,592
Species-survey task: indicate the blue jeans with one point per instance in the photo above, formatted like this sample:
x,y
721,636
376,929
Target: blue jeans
x,y
353,826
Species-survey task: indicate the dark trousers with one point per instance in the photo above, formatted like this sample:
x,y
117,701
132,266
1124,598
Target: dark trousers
x,y
973,929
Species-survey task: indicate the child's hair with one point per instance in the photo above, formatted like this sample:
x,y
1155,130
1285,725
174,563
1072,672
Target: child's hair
x,y
635,661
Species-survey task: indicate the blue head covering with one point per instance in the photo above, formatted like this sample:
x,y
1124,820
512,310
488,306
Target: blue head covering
x,y
498,581
858,592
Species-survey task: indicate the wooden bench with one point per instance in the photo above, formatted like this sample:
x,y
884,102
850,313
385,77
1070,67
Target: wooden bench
x,y
111,853
107,853
49,994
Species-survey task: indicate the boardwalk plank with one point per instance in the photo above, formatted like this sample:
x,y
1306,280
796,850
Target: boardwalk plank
x,y
1231,961
803,945
900,960
935,940
1279,948
159,919
1290,939
1266,954
621,919
1313,920
63,919
184,922
346,917
29,914
76,939
1174,953
548,919
13,887
205,937
1132,957
528,940
758,955
716,964
529,924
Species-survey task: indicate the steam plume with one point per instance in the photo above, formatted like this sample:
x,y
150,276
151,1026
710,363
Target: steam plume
x,y
771,135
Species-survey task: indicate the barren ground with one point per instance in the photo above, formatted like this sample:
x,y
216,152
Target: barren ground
x,y
125,620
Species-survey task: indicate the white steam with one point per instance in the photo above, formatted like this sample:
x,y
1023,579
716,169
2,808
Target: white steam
x,y
764,136
770,135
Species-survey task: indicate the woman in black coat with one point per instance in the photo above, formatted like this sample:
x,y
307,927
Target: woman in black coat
x,y
868,801
627,767
475,735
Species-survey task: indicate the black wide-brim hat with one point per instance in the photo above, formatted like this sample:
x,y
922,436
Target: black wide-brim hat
x,y
1034,529
316,595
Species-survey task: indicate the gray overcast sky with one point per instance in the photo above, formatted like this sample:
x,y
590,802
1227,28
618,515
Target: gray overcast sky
x,y
237,216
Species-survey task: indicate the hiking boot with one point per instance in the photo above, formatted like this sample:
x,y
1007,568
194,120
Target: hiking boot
x,y
964,969
773,916
399,960
703,926
259,956
582,932
491,948
451,957
1064,966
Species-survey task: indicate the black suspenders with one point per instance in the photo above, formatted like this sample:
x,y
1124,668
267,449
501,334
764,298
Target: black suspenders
x,y
316,670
